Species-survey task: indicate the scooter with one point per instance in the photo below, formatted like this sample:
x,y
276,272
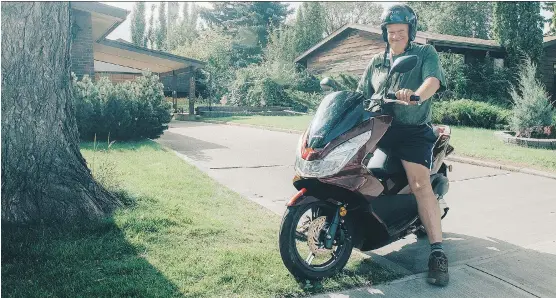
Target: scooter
x,y
352,194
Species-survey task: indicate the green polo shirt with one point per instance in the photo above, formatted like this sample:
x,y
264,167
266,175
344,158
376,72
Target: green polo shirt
x,y
428,65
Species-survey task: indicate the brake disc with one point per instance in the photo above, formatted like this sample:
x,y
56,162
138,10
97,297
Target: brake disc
x,y
316,229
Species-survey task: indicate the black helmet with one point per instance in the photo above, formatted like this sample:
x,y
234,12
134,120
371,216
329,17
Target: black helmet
x,y
399,14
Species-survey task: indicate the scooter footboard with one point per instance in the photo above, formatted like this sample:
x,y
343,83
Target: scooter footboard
x,y
395,210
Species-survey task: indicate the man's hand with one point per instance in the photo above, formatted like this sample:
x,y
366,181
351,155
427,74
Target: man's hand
x,y
405,95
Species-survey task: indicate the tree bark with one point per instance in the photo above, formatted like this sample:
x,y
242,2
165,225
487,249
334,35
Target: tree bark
x,y
44,176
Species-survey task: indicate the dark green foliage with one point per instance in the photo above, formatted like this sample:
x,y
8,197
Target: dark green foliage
x,y
518,27
479,80
346,82
467,112
532,106
465,18
310,25
126,111
248,23
273,84
337,14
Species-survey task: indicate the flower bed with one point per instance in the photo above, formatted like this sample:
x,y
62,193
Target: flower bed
x,y
508,137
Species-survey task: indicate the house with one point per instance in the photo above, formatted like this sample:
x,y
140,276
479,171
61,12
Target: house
x,y
349,49
96,56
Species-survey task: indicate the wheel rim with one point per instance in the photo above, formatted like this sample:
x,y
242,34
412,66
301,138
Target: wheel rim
x,y
310,260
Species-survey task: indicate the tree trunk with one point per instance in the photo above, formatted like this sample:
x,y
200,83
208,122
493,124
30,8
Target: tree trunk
x,y
44,176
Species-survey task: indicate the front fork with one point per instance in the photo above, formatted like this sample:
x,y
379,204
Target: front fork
x,y
340,212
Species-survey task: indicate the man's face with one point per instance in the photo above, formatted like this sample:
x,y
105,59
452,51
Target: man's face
x,y
398,35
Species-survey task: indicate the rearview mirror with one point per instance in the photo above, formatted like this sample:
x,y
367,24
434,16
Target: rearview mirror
x,y
404,64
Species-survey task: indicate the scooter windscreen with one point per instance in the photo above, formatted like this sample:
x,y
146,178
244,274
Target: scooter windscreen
x,y
337,113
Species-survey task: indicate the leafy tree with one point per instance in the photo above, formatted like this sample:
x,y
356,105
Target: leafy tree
x,y
173,13
468,19
173,26
138,24
162,28
518,27
151,31
338,14
310,27
281,45
299,31
214,47
426,11
551,6
248,23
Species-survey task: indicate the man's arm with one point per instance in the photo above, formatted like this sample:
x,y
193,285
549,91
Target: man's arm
x,y
425,91
428,88
434,78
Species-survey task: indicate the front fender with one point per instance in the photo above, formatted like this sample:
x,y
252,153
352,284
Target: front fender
x,y
301,200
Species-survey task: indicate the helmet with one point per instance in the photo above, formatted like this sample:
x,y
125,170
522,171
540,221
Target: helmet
x,y
399,14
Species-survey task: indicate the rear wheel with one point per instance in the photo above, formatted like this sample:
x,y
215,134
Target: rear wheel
x,y
302,236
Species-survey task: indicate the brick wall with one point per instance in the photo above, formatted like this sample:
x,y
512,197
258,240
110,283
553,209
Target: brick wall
x,y
82,58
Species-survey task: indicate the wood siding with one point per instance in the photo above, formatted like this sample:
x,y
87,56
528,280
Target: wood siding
x,y
349,53
547,69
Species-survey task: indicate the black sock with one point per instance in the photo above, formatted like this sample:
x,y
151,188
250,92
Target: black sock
x,y
436,247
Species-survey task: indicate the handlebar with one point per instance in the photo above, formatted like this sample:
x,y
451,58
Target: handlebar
x,y
392,95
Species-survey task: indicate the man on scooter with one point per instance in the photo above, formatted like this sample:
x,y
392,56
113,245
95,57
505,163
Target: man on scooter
x,y
410,136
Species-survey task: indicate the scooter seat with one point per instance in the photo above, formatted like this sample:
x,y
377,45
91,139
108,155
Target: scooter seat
x,y
382,164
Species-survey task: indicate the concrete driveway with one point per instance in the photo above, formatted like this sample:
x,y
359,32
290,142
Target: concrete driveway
x,y
500,233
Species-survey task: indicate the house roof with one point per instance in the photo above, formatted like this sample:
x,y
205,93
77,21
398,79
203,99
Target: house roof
x,y
549,41
421,37
104,18
120,53
129,55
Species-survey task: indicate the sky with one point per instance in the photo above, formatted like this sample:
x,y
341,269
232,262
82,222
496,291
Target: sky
x,y
124,32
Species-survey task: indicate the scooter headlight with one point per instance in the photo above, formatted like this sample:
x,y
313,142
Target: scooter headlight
x,y
334,161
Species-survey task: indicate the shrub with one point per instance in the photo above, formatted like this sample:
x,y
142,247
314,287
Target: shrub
x,y
346,82
272,84
532,107
454,72
479,80
126,111
309,100
467,112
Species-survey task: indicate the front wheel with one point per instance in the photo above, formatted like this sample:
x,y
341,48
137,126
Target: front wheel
x,y
301,239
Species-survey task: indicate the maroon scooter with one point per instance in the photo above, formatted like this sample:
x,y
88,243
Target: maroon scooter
x,y
352,194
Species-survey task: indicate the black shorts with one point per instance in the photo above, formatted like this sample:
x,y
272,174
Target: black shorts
x,y
413,143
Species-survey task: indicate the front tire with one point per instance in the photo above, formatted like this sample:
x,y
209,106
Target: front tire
x,y
291,242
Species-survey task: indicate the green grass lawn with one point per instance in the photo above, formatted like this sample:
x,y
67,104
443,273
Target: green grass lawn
x,y
181,234
472,142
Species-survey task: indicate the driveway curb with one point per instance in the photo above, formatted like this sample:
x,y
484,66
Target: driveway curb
x,y
456,158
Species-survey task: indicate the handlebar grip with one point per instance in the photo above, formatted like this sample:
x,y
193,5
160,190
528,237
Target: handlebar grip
x,y
414,98
392,95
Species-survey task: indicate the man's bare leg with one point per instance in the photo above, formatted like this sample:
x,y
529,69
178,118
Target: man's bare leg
x,y
418,177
